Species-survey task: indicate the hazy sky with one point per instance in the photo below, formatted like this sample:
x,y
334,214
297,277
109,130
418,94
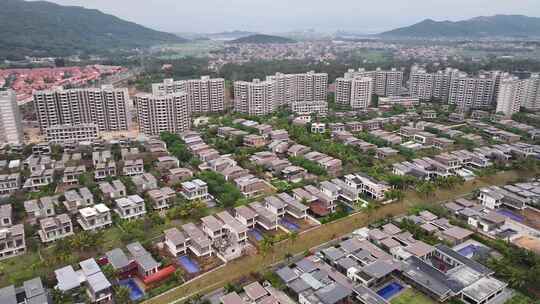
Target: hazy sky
x,y
285,15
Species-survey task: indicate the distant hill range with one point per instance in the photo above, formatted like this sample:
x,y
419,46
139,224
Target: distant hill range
x,y
40,28
232,35
492,26
262,39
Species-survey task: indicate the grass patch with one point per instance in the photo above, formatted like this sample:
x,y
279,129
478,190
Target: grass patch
x,y
412,296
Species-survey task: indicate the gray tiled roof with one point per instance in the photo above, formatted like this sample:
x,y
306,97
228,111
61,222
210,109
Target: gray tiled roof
x,y
147,262
298,285
7,295
33,287
306,265
98,282
367,295
379,269
286,274
333,293
428,277
333,253
464,260
117,258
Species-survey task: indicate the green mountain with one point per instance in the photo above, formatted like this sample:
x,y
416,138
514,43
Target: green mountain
x,y
40,28
262,39
492,26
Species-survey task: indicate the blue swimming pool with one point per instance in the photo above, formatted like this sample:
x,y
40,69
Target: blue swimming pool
x,y
188,264
390,290
256,234
468,250
135,292
290,225
511,215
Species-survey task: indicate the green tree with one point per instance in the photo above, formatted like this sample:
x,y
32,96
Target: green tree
x,y
109,272
121,295
60,297
426,189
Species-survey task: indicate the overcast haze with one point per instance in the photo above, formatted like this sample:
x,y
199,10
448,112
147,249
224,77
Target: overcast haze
x,y
272,16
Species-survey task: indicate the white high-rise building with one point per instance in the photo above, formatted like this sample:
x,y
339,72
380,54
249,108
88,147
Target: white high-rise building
x,y
301,87
471,92
343,91
531,100
385,82
426,86
255,98
163,113
107,107
361,92
515,93
206,95
510,96
10,119
354,92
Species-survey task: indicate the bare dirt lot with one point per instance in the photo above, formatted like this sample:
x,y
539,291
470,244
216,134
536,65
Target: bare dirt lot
x,y
532,218
528,242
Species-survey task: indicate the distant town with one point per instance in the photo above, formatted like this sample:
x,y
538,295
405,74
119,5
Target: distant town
x,y
226,169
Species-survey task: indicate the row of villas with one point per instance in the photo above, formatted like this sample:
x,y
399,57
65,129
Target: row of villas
x,y
443,165
279,167
90,280
457,162
352,187
367,125
226,234
424,138
248,184
364,266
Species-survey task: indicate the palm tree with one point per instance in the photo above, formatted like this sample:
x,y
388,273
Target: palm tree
x,y
196,298
267,244
370,208
109,272
121,295
179,275
61,297
293,236
426,189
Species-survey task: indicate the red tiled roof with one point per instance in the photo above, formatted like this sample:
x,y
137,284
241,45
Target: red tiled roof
x,y
319,209
160,275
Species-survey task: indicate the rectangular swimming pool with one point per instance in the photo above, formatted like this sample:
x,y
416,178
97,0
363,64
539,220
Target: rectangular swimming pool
x,y
290,225
511,215
256,234
188,264
468,250
135,292
390,290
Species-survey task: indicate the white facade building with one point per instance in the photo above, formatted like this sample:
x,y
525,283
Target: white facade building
x,y
354,92
512,93
531,100
206,95
472,92
60,134
10,119
107,107
385,82
256,98
302,87
427,86
163,113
